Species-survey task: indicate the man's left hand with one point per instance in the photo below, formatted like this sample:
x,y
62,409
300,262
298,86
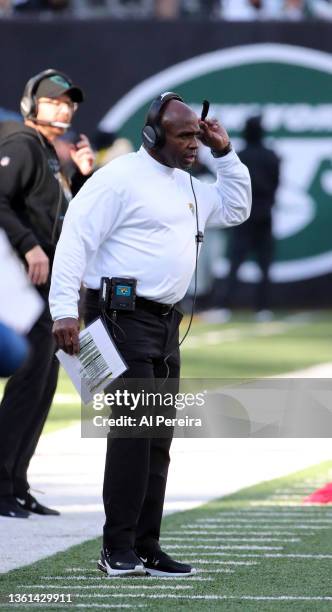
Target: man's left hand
x,y
83,155
213,134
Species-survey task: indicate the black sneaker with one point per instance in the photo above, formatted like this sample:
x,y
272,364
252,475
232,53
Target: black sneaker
x,y
120,563
28,502
161,564
9,507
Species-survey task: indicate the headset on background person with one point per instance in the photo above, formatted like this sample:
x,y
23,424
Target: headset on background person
x,y
29,102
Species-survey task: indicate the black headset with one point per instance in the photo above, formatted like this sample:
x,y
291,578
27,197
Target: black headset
x,y
153,134
29,103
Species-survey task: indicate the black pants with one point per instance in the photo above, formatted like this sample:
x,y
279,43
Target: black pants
x,y
136,468
24,408
255,237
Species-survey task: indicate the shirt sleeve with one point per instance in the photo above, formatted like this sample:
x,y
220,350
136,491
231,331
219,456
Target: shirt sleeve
x,y
228,200
17,173
90,219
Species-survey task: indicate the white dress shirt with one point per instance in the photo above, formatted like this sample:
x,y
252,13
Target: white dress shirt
x,y
136,218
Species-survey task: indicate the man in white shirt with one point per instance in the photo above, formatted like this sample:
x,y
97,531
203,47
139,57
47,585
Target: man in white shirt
x,y
141,217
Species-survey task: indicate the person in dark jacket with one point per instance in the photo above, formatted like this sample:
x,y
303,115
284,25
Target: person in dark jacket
x,y
34,194
255,235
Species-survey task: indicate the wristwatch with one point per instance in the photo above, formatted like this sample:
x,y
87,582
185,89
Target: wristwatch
x,y
222,152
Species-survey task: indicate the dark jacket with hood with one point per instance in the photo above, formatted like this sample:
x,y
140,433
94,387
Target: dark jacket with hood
x,y
34,193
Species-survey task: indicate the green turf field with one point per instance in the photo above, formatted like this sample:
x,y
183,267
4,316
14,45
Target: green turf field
x,y
256,550
240,349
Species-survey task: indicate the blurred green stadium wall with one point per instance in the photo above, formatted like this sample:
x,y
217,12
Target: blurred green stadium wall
x,y
281,70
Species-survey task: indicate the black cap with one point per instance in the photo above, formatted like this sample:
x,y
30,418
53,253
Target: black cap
x,y
56,86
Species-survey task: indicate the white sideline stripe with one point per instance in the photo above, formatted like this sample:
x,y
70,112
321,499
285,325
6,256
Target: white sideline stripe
x,y
85,569
72,605
218,571
219,597
263,555
125,585
248,533
300,490
226,547
264,525
78,569
106,579
205,562
97,605
269,503
258,520
221,539
253,513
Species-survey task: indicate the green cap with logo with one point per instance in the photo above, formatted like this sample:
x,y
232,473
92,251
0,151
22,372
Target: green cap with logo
x,y
56,86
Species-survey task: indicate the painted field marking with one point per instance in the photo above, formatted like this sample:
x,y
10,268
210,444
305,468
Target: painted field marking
x,y
311,512
96,605
72,605
298,490
278,497
218,597
279,504
263,555
228,533
218,571
222,539
78,569
256,520
288,495
224,547
263,525
205,562
108,587
108,579
73,569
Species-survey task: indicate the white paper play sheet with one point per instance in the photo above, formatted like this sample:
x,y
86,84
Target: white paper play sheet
x,y
97,363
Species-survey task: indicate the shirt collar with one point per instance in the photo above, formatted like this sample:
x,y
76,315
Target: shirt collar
x,y
142,152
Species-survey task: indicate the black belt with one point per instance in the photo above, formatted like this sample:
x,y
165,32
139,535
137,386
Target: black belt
x,y
149,305
154,307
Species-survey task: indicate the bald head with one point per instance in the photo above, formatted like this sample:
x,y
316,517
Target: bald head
x,y
177,112
181,127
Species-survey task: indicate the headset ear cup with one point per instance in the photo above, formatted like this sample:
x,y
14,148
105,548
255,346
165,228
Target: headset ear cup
x,y
149,137
25,106
153,134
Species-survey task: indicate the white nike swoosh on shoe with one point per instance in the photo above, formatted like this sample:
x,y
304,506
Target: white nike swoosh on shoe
x,y
144,560
21,501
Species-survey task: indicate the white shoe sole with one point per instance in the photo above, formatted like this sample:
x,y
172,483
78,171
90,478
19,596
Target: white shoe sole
x,y
138,570
153,572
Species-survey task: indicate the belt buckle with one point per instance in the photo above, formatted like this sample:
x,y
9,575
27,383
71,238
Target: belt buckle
x,y
169,308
